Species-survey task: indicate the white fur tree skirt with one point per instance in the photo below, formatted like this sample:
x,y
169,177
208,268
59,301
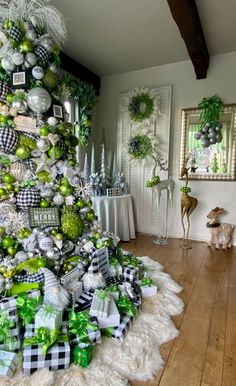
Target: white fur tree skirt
x,y
138,357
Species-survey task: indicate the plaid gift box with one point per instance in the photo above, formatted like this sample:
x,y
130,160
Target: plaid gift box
x,y
75,291
8,363
57,357
94,335
100,262
119,332
84,301
130,274
132,262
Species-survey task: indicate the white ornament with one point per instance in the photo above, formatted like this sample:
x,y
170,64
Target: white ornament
x,y
58,199
45,243
39,100
30,59
53,68
52,121
7,63
31,34
38,72
20,106
18,58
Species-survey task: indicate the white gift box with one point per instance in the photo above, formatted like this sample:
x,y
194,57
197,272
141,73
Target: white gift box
x,y
115,295
71,277
75,291
147,290
9,361
113,318
99,307
48,316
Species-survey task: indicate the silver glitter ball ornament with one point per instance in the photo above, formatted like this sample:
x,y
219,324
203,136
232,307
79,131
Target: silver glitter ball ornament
x,y
18,58
43,144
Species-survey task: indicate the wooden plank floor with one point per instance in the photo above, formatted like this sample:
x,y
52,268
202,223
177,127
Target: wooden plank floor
x,y
204,354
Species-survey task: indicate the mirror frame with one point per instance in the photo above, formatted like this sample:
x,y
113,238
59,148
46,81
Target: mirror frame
x,y
231,175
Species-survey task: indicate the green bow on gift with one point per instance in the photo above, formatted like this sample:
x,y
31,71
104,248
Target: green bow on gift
x,y
49,310
10,343
79,323
47,338
114,262
112,288
133,261
146,281
126,306
27,307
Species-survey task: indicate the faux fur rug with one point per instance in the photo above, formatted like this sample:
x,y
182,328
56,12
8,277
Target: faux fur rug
x,y
138,357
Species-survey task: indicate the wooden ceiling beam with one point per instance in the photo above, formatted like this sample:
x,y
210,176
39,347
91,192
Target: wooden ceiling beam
x,y
185,14
79,71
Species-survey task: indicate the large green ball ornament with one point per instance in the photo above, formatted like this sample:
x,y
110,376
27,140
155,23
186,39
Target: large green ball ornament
x,y
3,119
26,46
2,231
23,152
8,178
49,79
90,216
72,225
3,192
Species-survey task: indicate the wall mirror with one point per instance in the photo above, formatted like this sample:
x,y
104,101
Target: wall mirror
x,y
213,162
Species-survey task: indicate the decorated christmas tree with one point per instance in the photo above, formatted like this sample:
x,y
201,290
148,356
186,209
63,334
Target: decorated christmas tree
x,y
51,244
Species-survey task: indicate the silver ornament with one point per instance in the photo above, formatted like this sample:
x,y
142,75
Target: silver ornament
x,y
43,144
30,59
58,200
31,34
18,170
47,43
21,256
84,210
38,72
20,106
7,63
30,255
18,58
39,100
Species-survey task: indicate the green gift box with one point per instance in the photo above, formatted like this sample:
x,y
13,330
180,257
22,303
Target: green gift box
x,y
82,354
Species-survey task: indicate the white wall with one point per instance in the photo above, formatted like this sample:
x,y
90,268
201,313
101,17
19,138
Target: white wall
x,y
187,92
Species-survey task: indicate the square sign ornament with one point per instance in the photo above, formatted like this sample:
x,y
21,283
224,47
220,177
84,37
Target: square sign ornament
x,y
44,217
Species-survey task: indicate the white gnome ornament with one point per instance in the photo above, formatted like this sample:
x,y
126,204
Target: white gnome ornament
x,y
54,293
93,278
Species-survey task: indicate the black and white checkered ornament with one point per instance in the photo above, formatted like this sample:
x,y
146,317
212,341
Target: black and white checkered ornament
x,y
8,139
4,89
27,198
15,33
42,54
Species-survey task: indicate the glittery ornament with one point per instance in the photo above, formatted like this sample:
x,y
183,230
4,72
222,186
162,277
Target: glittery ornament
x,y
72,225
58,200
43,144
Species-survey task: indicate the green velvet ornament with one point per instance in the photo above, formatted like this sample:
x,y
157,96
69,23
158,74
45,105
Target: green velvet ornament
x,y
49,79
72,225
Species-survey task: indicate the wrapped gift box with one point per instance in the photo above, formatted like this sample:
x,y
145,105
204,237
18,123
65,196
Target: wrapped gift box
x,y
115,267
119,332
100,257
113,317
100,303
57,357
48,316
8,363
93,334
132,262
75,291
130,274
71,278
84,301
148,289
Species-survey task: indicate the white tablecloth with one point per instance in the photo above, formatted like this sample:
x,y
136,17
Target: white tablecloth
x,y
116,215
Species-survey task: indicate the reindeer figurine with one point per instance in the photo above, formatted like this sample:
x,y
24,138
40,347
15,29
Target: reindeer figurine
x,y
188,204
216,229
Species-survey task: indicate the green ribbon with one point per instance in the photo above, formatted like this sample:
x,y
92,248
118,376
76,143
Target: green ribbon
x,y
10,343
49,310
79,324
126,306
146,282
27,307
82,356
47,338
133,261
112,288
115,263
102,295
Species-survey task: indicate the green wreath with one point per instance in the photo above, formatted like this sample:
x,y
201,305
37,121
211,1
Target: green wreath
x,y
141,107
139,147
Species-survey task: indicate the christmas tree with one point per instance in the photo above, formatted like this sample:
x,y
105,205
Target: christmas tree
x,y
45,207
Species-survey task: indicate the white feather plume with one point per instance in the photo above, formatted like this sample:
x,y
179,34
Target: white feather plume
x,y
38,12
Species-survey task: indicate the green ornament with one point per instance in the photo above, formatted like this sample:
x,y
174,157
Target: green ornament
x,y
23,152
26,46
49,79
72,225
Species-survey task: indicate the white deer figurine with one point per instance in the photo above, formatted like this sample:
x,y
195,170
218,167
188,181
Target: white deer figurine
x,y
216,229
